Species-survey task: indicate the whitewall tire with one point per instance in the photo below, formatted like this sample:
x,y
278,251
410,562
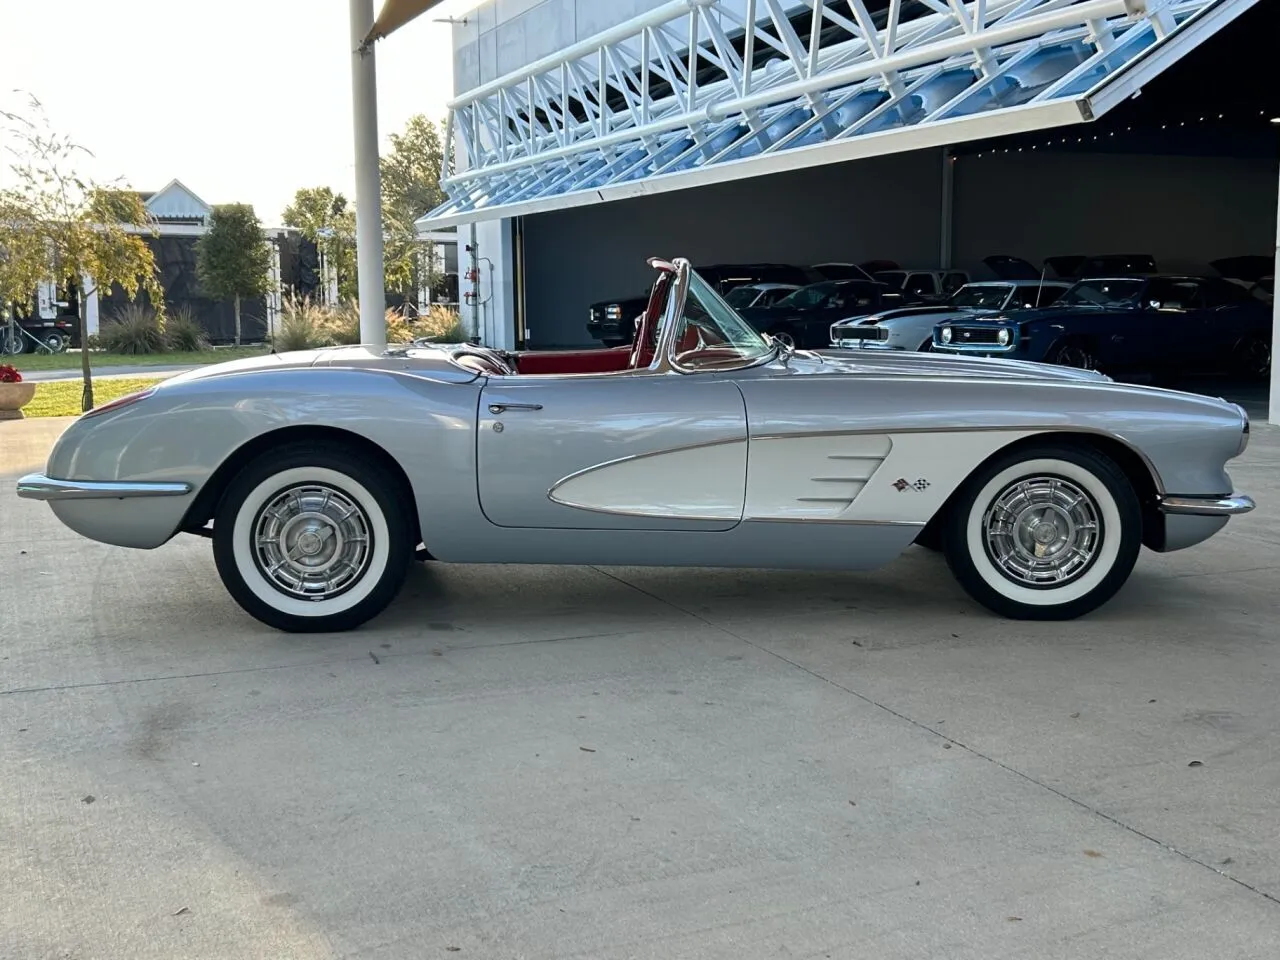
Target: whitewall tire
x,y
1049,532
313,538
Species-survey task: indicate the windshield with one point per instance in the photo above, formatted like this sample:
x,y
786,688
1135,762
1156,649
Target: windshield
x,y
985,296
815,295
711,334
894,278
740,297
1103,293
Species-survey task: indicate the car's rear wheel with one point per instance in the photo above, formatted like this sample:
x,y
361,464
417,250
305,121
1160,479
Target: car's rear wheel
x,y
1251,358
1049,532
313,537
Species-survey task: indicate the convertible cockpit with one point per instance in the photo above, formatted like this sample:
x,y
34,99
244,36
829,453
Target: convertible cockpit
x,y
686,327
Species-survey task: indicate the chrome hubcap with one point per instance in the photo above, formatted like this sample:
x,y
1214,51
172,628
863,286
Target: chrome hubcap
x,y
312,541
1042,531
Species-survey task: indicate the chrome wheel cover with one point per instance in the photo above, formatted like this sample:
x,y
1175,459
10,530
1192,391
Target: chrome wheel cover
x,y
312,541
1042,532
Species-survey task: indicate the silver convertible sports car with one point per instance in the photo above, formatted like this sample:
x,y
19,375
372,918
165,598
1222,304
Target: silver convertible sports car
x,y
320,475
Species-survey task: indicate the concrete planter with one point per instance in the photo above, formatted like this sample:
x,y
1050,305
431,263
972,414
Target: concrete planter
x,y
13,397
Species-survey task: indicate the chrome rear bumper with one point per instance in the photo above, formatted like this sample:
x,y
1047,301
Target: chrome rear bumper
x,y
1208,506
36,486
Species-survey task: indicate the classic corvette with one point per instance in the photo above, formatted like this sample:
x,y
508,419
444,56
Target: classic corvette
x,y
319,475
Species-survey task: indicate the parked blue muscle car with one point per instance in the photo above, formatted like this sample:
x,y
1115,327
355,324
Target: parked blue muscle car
x,y
1134,324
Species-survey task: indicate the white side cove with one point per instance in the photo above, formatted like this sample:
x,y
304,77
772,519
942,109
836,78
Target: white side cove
x,y
703,91
845,478
696,483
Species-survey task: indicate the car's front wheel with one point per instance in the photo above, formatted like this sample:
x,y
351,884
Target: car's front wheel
x,y
1049,532
1072,353
313,537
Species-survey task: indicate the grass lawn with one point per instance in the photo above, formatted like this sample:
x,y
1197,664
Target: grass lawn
x,y
100,361
61,398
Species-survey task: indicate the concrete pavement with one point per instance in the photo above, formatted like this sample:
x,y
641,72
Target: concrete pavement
x,y
519,762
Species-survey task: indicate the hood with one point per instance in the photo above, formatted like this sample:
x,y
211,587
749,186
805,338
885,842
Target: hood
x,y
911,364
883,316
1007,267
1030,315
940,315
1250,269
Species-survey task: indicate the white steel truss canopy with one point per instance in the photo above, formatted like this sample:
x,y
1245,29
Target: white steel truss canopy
x,y
703,91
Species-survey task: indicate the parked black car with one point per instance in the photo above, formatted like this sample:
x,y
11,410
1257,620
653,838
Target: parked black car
x,y
805,317
613,321
1125,325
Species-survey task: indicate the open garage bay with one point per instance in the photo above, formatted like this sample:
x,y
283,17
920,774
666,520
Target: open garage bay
x,y
577,762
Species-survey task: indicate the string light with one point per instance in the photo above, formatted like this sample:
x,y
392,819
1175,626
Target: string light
x,y
1273,117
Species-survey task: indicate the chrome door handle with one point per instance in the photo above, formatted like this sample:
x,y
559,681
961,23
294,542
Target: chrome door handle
x,y
500,407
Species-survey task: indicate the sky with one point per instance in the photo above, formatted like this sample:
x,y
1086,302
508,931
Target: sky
x,y
242,100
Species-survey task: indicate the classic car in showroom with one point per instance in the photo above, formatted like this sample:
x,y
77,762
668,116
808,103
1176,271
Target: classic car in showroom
x,y
911,328
758,294
804,317
319,475
613,322
1134,325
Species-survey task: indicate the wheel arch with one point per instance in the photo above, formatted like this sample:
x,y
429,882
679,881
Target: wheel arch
x,y
1140,472
205,505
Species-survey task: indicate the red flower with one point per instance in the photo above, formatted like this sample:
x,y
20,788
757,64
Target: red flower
x,y
9,374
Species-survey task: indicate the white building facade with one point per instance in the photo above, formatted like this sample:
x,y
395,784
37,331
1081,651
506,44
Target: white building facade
x,y
591,134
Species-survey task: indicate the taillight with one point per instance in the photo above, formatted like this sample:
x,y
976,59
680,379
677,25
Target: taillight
x,y
116,404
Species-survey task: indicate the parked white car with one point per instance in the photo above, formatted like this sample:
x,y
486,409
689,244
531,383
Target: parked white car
x,y
911,328
929,284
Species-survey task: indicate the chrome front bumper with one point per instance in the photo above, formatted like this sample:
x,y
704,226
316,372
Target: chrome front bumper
x,y
1207,506
36,486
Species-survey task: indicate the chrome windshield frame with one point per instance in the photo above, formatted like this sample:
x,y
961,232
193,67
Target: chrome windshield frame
x,y
664,357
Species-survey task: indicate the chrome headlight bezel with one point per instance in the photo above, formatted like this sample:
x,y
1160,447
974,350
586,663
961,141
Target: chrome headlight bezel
x,y
1004,336
945,334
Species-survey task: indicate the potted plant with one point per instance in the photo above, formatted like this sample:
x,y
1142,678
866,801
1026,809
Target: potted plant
x,y
15,393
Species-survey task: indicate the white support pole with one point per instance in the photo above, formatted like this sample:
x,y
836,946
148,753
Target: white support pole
x,y
364,108
1273,408
946,229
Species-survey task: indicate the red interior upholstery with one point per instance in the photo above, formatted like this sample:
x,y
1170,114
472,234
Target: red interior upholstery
x,y
607,360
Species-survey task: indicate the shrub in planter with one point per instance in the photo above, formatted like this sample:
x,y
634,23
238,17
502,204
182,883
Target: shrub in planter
x,y
133,330
15,393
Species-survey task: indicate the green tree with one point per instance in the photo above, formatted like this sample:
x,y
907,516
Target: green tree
x,y
410,187
90,233
328,220
24,261
233,258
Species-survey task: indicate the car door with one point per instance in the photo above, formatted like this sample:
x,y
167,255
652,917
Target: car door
x,y
626,451
1176,313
